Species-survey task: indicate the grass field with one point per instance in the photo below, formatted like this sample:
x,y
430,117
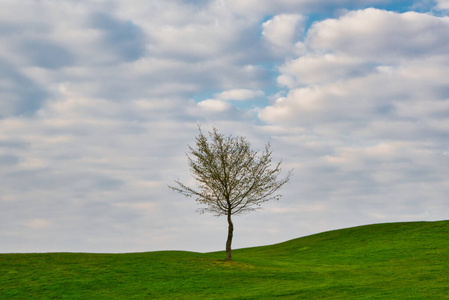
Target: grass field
x,y
383,261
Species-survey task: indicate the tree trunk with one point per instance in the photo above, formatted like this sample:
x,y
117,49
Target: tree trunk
x,y
229,240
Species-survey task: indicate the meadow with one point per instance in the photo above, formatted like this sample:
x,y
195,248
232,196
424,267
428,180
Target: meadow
x,y
382,261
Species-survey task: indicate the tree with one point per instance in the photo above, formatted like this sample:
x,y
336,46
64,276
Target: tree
x,y
231,177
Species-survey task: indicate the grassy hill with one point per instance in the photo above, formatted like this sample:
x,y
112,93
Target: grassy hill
x,y
382,261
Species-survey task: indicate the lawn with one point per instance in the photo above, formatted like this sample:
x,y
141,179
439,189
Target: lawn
x,y
382,261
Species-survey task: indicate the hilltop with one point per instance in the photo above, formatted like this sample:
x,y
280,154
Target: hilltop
x,y
390,261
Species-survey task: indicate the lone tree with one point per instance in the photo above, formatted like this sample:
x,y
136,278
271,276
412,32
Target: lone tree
x,y
231,177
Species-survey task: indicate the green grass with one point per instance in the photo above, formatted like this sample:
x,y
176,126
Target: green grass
x,y
383,261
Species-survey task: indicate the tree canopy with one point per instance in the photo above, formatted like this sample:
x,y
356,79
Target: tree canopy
x,y
231,177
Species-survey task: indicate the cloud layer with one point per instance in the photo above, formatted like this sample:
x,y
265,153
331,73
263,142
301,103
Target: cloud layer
x,y
100,100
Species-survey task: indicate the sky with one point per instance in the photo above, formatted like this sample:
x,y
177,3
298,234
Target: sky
x,y
99,100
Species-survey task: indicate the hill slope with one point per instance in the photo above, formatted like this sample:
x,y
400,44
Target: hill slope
x,y
391,261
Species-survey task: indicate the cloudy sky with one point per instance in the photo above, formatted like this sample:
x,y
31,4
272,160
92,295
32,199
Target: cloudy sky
x,y
99,100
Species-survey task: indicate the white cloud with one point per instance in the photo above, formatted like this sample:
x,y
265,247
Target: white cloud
x,y
353,105
38,224
351,87
369,103
442,4
120,52
239,94
377,34
318,69
97,112
213,105
282,31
